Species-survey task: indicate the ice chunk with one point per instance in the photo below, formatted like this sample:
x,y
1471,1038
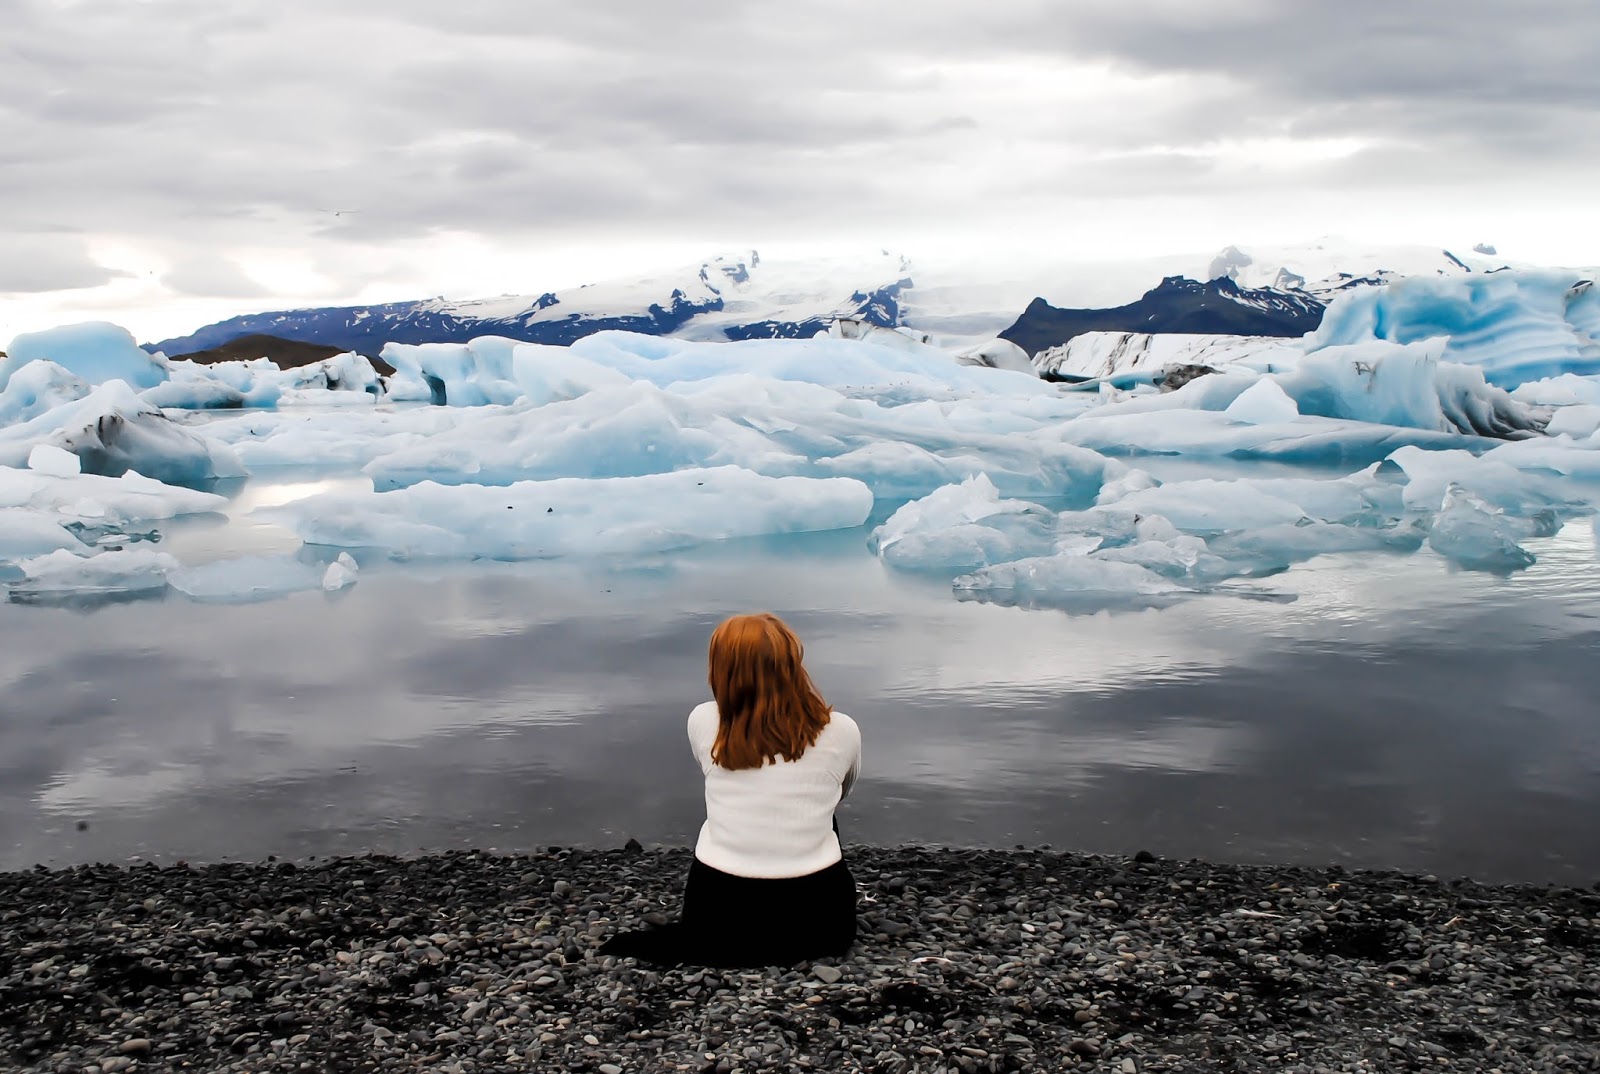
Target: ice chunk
x,y
963,525
1208,506
94,351
1517,325
1263,403
36,388
1407,386
455,374
65,575
575,516
1134,480
341,573
997,354
1566,390
101,501
1490,477
1069,581
25,533
547,374
1578,422
245,579
1472,534
112,431
53,461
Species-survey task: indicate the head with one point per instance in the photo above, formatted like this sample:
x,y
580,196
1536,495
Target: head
x,y
767,704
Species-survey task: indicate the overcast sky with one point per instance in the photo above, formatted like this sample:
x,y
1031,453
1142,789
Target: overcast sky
x,y
164,163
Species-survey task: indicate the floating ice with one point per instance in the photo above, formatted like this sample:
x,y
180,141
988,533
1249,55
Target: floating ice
x,y
1517,326
53,461
575,516
454,374
1566,390
997,354
92,500
25,532
1472,534
1068,580
341,573
63,574
112,431
245,579
96,352
37,388
1490,477
961,526
1263,403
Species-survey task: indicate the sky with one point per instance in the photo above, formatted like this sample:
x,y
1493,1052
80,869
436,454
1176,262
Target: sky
x,y
167,163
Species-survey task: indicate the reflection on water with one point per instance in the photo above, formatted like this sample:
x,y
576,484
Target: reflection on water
x,y
1392,713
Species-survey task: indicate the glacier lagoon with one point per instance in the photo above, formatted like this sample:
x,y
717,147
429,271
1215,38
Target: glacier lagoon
x,y
1368,708
1342,587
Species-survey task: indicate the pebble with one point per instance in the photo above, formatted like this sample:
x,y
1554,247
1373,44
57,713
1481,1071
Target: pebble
x,y
977,961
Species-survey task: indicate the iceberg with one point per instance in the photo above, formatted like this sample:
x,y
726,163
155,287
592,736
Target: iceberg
x,y
37,388
1068,581
1473,535
65,576
575,516
96,352
95,501
963,525
454,374
245,579
1263,403
1516,326
26,533
112,431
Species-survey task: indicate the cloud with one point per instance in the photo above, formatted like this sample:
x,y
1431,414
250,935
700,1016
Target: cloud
x,y
210,276
219,129
33,264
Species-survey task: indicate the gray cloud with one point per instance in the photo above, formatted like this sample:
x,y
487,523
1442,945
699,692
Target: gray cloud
x,y
32,264
202,128
210,276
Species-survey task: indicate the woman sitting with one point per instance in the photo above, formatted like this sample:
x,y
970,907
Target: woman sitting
x,y
769,885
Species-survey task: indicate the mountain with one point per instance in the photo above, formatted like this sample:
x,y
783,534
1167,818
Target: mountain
x,y
1216,307
729,297
964,300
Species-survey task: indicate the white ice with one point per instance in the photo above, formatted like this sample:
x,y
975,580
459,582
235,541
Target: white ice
x,y
964,525
112,431
575,516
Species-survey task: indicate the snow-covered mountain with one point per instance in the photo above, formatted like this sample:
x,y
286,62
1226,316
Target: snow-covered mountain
x,y
726,297
959,301
1217,307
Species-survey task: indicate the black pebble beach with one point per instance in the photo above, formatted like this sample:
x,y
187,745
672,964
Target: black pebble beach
x,y
967,961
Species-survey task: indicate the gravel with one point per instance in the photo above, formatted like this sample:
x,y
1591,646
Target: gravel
x,y
967,961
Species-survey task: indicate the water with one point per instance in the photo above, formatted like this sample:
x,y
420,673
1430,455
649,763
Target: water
x,y
1375,711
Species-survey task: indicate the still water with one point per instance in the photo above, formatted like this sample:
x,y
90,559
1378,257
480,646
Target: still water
x,y
1368,710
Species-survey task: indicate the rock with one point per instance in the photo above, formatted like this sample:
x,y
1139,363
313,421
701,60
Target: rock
x,y
827,974
135,1046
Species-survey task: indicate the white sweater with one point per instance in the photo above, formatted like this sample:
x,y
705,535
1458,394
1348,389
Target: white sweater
x,y
776,820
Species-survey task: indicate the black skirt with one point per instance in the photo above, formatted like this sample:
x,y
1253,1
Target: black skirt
x,y
739,921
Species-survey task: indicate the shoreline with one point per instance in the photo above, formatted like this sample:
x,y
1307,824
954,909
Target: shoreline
x,y
968,960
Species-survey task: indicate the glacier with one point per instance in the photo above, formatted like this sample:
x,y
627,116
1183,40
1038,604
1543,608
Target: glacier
x,y
1454,416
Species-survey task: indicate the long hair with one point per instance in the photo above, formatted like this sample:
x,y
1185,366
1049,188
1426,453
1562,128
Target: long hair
x,y
767,705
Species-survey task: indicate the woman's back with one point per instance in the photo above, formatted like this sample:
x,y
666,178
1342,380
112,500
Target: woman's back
x,y
775,820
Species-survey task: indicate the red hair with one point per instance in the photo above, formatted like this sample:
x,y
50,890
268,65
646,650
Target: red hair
x,y
766,703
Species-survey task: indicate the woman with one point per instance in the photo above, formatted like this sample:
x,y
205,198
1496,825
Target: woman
x,y
769,885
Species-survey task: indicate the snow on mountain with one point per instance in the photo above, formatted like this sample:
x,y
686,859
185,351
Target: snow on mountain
x,y
959,301
726,297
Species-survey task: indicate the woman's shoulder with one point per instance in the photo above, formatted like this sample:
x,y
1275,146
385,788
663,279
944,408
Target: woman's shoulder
x,y
843,726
